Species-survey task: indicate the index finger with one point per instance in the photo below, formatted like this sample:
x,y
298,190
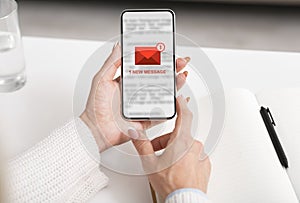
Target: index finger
x,y
183,121
184,116
111,65
180,140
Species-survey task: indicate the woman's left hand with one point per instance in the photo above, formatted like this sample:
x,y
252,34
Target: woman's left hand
x,y
104,121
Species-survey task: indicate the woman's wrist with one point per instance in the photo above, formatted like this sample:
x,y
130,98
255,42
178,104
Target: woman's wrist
x,y
95,131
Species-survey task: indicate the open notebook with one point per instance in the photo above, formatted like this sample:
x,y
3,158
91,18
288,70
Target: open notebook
x,y
245,166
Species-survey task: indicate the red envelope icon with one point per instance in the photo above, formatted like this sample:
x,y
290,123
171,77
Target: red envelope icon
x,y
147,56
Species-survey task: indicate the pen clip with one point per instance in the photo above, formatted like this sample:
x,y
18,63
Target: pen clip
x,y
272,119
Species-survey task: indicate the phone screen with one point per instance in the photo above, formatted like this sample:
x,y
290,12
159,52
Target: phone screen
x,y
148,64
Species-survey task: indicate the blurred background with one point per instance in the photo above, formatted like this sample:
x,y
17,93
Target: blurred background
x,y
241,24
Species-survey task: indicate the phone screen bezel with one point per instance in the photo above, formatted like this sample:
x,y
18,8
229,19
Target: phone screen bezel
x,y
174,63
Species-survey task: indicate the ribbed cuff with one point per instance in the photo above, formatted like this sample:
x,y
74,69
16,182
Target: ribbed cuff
x,y
88,187
56,169
87,139
187,195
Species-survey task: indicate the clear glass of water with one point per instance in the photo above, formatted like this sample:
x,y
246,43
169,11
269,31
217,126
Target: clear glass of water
x,y
12,64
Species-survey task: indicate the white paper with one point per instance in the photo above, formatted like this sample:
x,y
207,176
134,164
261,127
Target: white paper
x,y
284,105
245,167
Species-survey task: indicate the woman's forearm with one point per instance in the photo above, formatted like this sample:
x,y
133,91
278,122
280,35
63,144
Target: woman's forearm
x,y
58,168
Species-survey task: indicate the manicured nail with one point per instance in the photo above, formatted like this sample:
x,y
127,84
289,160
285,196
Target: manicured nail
x,y
133,133
188,99
185,73
187,59
116,44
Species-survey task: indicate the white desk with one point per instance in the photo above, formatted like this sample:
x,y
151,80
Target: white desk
x,y
29,115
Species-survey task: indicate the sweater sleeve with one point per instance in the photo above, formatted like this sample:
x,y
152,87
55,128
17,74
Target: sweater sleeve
x,y
187,195
58,169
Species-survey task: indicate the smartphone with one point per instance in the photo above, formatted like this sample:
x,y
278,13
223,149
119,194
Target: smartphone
x,y
148,64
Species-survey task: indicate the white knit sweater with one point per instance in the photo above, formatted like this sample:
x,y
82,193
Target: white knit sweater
x,y
60,169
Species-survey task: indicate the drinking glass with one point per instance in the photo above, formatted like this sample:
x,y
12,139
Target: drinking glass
x,y
12,64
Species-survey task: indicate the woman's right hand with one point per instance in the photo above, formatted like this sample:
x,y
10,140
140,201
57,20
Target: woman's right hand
x,y
187,172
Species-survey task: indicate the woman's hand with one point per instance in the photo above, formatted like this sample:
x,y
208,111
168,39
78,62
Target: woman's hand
x,y
104,119
180,165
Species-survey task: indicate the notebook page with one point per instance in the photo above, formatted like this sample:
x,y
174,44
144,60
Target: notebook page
x,y
285,108
245,167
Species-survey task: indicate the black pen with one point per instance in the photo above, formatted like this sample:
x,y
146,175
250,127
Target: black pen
x,y
269,122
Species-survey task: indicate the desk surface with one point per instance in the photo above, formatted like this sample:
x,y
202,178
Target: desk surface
x,y
29,115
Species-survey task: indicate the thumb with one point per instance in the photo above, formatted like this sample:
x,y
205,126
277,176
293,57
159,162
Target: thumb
x,y
141,143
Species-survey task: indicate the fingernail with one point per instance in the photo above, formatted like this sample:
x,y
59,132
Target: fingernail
x,y
187,59
188,99
133,133
116,44
185,73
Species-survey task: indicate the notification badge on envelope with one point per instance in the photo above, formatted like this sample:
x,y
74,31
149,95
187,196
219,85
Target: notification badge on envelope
x,y
148,55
